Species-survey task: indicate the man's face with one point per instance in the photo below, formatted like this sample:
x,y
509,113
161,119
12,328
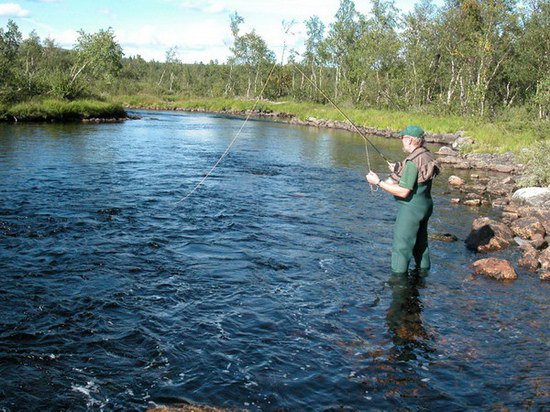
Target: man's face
x,y
407,143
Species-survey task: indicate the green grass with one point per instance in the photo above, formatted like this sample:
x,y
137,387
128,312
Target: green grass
x,y
511,133
60,110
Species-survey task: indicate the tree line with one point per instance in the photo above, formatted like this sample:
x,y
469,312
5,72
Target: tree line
x,y
467,57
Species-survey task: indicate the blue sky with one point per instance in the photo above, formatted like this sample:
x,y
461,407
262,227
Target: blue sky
x,y
198,28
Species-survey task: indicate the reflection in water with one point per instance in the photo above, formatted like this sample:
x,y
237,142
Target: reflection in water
x,y
404,318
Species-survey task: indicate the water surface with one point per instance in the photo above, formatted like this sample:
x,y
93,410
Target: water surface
x,y
269,288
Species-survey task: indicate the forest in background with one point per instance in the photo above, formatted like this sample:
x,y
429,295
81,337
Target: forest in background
x,y
487,59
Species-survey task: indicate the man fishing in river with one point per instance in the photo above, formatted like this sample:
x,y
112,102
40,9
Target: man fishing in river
x,y
411,184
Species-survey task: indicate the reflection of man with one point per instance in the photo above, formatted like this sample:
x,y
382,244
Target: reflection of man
x,y
411,185
404,316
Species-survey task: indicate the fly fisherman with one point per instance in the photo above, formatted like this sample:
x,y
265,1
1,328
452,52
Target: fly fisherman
x,y
411,183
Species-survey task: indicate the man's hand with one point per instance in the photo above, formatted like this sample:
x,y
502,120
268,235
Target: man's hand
x,y
373,178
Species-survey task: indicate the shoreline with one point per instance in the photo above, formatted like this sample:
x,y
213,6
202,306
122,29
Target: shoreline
x,y
495,162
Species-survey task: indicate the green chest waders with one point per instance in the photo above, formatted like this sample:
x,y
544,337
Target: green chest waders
x,y
410,236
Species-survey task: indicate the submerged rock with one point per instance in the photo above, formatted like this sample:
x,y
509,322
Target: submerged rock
x,y
499,269
188,407
472,202
443,237
488,235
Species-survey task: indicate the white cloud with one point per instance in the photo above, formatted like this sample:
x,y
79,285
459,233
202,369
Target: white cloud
x,y
66,38
12,10
151,42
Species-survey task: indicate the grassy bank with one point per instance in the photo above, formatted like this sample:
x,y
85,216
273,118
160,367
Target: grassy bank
x,y
511,133
59,110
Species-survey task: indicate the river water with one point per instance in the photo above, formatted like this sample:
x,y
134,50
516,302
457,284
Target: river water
x,y
269,288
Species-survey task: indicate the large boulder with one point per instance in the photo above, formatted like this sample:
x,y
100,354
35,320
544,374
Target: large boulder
x,y
533,196
527,227
488,235
496,268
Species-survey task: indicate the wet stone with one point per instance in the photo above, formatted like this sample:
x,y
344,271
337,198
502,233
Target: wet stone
x,y
480,189
472,196
443,237
499,269
544,259
456,181
472,202
530,258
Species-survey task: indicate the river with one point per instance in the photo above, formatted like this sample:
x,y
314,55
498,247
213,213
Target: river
x,y
268,288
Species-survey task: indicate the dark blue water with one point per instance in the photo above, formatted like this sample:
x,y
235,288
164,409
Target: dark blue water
x,y
267,289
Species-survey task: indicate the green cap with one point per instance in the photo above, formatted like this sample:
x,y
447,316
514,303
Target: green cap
x,y
414,131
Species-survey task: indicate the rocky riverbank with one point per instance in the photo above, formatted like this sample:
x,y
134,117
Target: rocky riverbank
x,y
524,213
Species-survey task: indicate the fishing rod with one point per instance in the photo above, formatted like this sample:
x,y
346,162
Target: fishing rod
x,y
359,131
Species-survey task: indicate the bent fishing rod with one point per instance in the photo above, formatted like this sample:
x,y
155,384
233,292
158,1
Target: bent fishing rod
x,y
359,131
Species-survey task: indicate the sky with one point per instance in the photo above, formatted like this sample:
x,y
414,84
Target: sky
x,y
198,28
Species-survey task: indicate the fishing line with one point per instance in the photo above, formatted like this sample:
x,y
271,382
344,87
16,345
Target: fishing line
x,y
249,114
367,140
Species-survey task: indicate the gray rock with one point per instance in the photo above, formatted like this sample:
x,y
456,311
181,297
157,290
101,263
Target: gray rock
x,y
447,151
533,196
462,142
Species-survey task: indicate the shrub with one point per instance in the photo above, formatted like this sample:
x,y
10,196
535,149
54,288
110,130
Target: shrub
x,y
536,160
